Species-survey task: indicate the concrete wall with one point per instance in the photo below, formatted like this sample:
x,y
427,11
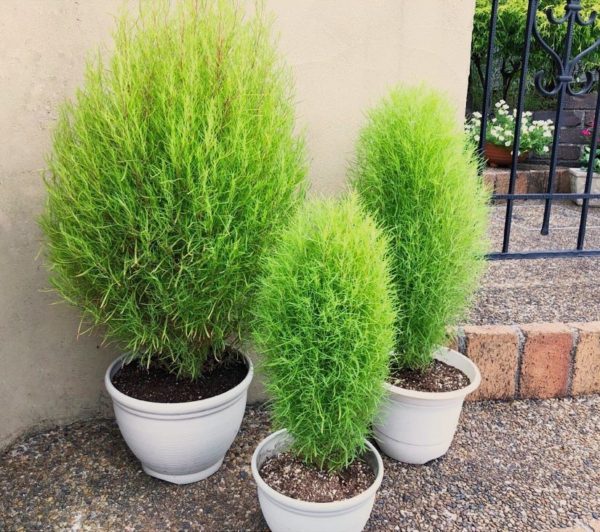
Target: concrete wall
x,y
345,55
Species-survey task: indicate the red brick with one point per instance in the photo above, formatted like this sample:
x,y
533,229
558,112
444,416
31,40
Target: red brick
x,y
595,525
586,373
502,180
546,360
495,350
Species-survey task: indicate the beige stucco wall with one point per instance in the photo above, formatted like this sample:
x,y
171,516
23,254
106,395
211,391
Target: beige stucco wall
x,y
345,55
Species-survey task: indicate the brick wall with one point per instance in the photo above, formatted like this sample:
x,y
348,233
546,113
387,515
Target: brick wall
x,y
578,113
529,179
539,360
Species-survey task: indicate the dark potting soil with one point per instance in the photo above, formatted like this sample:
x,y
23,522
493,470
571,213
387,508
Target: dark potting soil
x,y
157,385
439,377
290,476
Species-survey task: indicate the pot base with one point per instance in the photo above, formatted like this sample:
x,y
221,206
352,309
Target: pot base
x,y
409,453
184,479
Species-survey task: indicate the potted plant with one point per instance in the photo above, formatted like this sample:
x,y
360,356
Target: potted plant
x,y
324,325
579,175
536,135
168,176
418,176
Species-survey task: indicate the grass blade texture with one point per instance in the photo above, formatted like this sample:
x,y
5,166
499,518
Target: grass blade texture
x,y
324,325
419,179
168,175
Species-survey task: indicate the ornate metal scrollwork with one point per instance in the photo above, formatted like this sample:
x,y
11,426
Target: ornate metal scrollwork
x,y
565,65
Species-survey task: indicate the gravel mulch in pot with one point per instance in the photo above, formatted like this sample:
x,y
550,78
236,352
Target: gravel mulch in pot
x,y
288,475
157,385
525,465
439,377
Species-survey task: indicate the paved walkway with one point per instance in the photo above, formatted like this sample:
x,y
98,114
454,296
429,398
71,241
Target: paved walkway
x,y
551,290
526,465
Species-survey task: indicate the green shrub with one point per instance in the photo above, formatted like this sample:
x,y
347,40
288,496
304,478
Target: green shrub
x,y
324,324
510,35
417,176
168,176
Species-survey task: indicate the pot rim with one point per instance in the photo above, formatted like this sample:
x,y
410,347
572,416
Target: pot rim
x,y
299,505
582,173
507,149
176,408
474,383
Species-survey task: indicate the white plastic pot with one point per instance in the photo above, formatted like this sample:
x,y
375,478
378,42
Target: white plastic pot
x,y
416,427
284,514
180,442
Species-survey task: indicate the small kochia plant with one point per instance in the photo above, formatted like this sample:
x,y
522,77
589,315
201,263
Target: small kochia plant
x,y
168,175
324,324
417,175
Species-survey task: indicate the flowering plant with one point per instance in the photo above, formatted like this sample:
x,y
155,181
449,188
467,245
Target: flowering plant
x,y
536,135
585,159
585,156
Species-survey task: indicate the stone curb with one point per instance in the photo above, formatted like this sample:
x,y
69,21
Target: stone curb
x,y
533,361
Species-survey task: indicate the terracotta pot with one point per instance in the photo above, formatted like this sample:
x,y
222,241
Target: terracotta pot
x,y
500,155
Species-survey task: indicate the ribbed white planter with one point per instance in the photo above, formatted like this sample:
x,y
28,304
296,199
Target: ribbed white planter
x,y
180,442
416,427
283,513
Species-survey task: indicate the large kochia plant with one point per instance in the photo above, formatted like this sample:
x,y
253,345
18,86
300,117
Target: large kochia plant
x,y
168,175
418,177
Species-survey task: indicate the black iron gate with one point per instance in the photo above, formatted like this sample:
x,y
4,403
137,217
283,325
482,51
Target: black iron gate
x,y
563,82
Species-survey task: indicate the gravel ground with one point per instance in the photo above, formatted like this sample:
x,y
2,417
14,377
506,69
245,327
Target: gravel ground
x,y
534,290
526,465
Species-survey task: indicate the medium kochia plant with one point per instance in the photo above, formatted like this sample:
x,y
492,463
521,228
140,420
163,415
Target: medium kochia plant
x,y
324,324
168,175
416,174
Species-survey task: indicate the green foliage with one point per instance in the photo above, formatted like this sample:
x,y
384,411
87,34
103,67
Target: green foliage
x,y
510,35
417,176
324,324
168,176
584,161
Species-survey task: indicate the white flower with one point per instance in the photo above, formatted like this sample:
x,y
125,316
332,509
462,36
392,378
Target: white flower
x,y
501,138
507,143
476,114
545,149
